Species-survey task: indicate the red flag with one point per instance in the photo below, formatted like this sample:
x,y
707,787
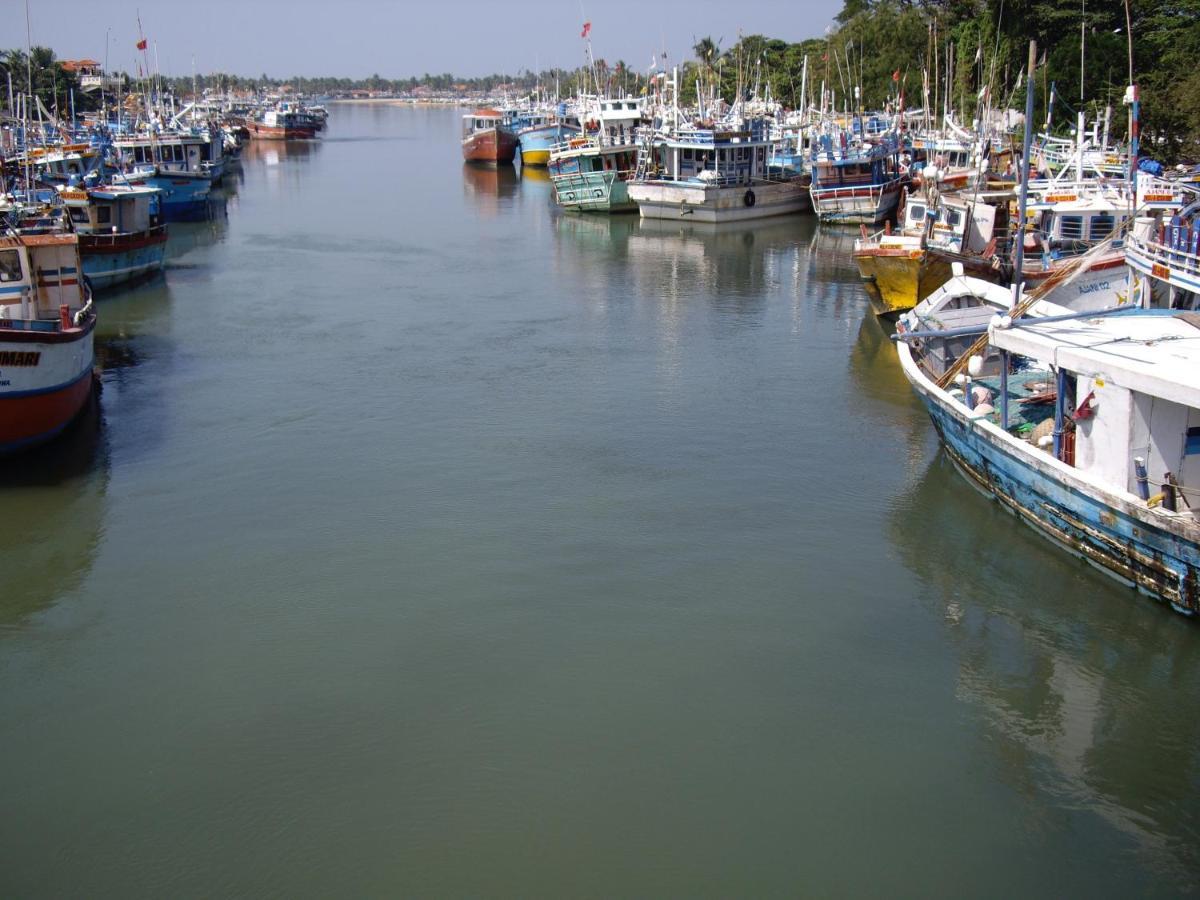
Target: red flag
x,y
141,45
587,29
896,75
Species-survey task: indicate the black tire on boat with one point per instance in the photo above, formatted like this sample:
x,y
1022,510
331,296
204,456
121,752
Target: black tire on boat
x,y
749,199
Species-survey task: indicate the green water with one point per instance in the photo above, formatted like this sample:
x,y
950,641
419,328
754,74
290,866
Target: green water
x,y
426,542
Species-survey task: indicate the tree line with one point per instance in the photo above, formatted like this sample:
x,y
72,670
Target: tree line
x,y
876,52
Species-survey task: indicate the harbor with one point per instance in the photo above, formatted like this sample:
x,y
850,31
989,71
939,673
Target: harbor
x,y
444,535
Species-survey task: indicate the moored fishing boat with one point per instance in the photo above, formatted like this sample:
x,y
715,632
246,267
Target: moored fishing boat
x,y
121,233
280,125
488,137
713,174
855,181
936,231
540,133
1067,420
47,321
591,177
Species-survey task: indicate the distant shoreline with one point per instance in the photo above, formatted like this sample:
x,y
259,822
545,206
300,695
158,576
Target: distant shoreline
x,y
400,101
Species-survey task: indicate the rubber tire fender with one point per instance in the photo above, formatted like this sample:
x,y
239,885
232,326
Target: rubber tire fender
x,y
749,199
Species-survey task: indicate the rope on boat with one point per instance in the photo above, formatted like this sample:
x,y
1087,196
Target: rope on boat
x,y
1062,277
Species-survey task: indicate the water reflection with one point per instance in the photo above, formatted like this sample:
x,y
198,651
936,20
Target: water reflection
x,y
274,153
735,264
535,175
490,187
1065,670
53,501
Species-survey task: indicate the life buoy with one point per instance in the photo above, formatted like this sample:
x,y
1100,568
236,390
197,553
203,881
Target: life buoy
x,y
749,199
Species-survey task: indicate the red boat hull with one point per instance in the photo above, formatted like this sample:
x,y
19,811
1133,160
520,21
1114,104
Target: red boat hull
x,y
34,415
490,145
278,132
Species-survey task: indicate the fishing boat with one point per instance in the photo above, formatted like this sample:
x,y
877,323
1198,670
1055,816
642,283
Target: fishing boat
x,y
717,173
936,230
591,172
591,177
856,176
121,233
280,125
540,132
1085,426
488,137
1163,248
47,321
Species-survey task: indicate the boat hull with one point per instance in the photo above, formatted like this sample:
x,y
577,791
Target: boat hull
x,y
44,384
184,197
536,142
112,260
902,277
1149,549
866,205
600,192
261,132
711,203
493,145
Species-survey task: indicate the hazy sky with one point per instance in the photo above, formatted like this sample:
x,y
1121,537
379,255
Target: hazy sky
x,y
356,38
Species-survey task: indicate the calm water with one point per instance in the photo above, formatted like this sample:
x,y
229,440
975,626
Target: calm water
x,y
427,542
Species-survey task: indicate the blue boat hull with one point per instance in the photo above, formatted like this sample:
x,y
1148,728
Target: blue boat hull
x,y
184,199
1120,538
536,143
106,270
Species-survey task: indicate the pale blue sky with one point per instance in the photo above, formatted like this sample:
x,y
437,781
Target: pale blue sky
x,y
356,38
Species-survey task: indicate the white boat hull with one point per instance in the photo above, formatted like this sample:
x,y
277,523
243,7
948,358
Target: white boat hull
x,y
713,203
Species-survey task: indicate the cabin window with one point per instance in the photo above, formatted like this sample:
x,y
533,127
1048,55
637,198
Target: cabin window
x,y
687,154
953,217
916,212
103,215
1101,227
78,214
1071,228
10,265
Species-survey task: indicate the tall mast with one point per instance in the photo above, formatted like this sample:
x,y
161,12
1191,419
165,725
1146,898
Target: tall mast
x,y
1023,199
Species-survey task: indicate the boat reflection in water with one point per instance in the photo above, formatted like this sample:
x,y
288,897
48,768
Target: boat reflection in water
x,y
1075,687
735,265
54,499
535,175
490,187
274,153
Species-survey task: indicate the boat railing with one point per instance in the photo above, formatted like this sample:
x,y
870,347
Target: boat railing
x,y
100,239
1160,254
838,193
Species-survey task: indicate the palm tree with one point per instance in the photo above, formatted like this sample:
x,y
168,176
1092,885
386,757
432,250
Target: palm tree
x,y
707,53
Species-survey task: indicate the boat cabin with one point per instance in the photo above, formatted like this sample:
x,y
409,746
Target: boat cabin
x,y
617,120
113,209
484,120
1126,400
953,223
713,155
39,274
838,163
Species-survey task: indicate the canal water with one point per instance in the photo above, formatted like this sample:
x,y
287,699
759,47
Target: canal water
x,y
428,542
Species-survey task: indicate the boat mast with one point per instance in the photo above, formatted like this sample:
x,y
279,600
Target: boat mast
x,y
1023,200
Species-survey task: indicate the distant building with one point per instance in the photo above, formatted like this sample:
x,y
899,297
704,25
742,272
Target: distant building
x,y
91,75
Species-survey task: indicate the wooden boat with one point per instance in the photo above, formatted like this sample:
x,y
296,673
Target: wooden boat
x,y
714,174
1085,426
488,137
121,233
280,125
855,180
906,266
47,320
